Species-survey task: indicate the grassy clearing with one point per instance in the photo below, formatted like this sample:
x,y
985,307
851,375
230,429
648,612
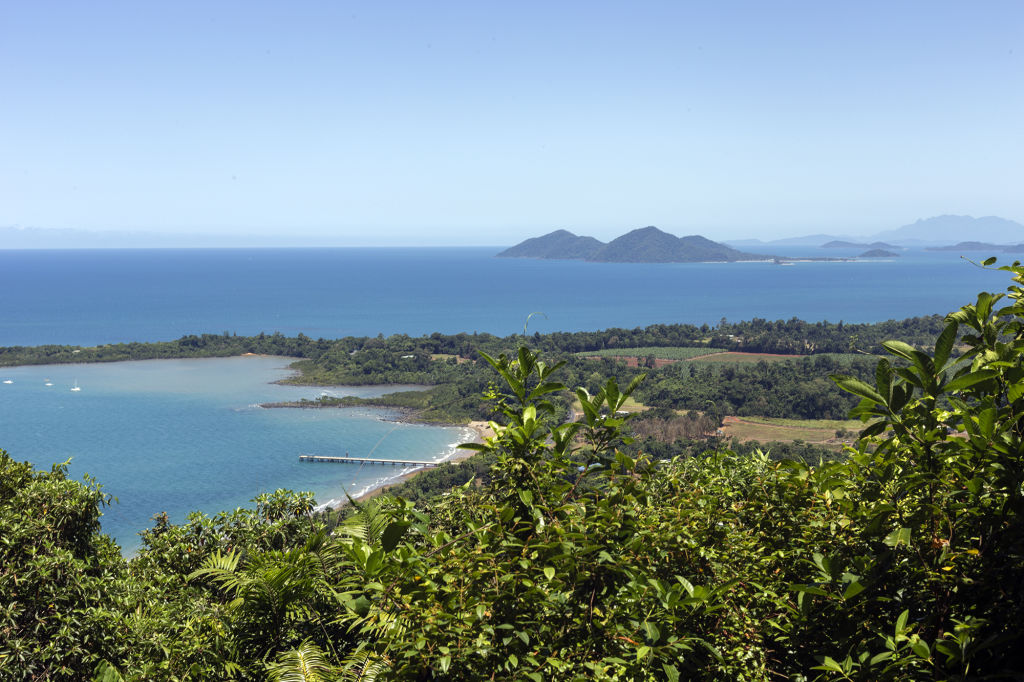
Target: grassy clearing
x,y
731,358
661,353
737,358
767,429
834,424
447,356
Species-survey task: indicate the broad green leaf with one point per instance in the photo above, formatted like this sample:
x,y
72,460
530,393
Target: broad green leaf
x,y
944,344
1015,391
549,572
910,376
970,379
878,658
874,429
986,421
393,535
360,606
883,377
549,387
902,349
901,622
107,673
829,664
633,384
857,387
984,305
898,537
852,590
900,396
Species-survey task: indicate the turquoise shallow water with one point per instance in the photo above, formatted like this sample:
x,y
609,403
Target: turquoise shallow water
x,y
181,435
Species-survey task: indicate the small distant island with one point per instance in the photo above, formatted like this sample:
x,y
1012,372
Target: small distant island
x,y
840,244
644,245
878,253
979,246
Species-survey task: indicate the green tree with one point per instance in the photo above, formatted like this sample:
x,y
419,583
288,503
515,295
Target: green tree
x,y
59,576
937,481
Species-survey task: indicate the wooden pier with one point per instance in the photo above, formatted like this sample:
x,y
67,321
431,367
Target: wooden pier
x,y
367,460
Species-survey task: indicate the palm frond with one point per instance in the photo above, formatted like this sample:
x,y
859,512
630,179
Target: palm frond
x,y
362,666
220,568
306,663
368,522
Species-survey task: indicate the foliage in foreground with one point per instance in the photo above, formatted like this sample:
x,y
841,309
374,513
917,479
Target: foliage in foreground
x,y
578,561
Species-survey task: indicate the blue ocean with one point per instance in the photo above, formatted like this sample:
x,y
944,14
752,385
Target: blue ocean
x,y
92,297
180,435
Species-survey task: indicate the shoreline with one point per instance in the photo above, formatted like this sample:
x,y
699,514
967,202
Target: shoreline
x,y
397,414
481,430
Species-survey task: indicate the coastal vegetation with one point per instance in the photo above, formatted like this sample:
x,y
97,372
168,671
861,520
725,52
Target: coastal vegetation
x,y
573,553
657,352
793,387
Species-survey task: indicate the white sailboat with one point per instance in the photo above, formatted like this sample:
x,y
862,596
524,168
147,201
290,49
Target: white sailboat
x,y
8,381
75,387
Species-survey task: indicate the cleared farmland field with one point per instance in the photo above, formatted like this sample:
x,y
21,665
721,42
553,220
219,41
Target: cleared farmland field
x,y
767,429
658,352
731,357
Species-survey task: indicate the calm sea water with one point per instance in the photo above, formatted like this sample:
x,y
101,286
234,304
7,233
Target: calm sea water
x,y
106,296
178,435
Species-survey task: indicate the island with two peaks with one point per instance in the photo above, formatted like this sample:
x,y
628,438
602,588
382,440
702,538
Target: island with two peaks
x,y
643,245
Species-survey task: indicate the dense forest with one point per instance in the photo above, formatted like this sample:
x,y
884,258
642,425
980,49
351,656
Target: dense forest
x,y
343,356
449,363
565,550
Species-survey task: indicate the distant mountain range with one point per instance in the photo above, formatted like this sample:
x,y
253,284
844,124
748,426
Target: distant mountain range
x,y
937,231
644,245
946,229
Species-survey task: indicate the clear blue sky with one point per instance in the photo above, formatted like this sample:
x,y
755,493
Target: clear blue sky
x,y
484,122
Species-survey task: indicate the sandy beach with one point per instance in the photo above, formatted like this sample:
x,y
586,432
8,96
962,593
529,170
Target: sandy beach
x,y
482,430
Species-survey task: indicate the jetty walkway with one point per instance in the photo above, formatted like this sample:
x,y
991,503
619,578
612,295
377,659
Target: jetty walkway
x,y
367,460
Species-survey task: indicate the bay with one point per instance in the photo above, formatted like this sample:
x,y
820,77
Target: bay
x,y
184,435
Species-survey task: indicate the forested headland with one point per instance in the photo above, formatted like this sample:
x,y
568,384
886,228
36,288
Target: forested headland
x,y
450,364
565,551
